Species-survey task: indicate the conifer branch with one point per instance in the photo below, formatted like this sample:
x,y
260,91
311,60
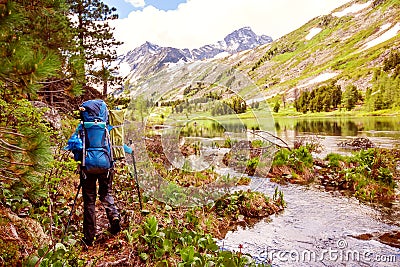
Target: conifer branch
x,y
50,82
8,132
55,91
17,163
15,148
8,178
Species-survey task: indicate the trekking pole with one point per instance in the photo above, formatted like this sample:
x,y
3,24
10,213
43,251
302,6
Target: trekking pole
x,y
73,207
136,178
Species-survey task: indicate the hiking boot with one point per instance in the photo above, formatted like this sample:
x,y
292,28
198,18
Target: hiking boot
x,y
115,226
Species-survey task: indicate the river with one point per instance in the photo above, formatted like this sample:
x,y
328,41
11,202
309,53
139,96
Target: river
x,y
317,227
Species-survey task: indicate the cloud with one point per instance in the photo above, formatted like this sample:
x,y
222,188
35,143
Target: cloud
x,y
199,22
136,3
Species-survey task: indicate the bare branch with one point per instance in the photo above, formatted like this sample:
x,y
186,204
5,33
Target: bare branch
x,y
8,178
17,163
15,148
50,82
56,91
274,136
11,81
8,132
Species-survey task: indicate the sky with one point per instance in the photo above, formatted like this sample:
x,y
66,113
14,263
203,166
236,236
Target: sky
x,y
194,23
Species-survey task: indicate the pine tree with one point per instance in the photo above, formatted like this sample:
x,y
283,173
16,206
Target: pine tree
x,y
36,49
302,103
96,40
276,107
351,96
336,95
378,103
24,153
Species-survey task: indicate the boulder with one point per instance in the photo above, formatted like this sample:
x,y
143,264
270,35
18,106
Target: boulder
x,y
357,143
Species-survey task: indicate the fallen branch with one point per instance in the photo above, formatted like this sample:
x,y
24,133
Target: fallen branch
x,y
274,136
115,263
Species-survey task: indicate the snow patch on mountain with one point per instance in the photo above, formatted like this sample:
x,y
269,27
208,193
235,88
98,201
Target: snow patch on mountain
x,y
389,34
352,9
320,78
312,33
124,69
222,55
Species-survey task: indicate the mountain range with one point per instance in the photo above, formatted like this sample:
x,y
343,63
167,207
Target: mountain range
x,y
149,58
346,47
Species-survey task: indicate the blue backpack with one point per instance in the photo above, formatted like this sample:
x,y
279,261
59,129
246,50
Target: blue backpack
x,y
91,142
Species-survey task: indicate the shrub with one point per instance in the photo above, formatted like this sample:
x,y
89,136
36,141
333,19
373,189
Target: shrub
x,y
297,159
334,160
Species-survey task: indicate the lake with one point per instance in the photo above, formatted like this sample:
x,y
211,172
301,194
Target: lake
x,y
382,131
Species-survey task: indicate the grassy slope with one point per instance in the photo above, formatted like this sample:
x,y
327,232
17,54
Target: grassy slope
x,y
337,48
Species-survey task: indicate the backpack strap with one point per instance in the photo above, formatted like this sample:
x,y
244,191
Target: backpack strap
x,y
109,143
83,144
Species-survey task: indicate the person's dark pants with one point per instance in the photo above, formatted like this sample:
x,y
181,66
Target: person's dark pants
x,y
89,201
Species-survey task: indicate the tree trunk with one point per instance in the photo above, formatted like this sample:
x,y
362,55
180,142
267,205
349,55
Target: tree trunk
x,y
104,79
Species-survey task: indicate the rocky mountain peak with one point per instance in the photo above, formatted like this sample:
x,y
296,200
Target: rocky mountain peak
x,y
143,59
244,39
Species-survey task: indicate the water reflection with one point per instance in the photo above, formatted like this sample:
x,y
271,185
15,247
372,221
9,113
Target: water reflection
x,y
235,127
383,131
340,124
315,220
209,128
334,128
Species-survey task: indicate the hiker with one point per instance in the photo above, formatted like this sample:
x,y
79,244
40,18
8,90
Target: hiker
x,y
92,139
89,200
